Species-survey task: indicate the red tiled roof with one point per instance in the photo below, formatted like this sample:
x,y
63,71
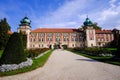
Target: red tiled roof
x,y
103,31
47,30
9,32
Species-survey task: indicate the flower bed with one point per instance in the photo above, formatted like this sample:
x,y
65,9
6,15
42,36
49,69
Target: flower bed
x,y
95,51
32,53
10,67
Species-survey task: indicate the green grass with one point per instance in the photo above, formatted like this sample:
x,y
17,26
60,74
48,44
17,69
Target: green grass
x,y
39,62
112,49
106,59
1,51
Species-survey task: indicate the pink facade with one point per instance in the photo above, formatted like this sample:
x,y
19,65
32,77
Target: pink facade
x,y
103,37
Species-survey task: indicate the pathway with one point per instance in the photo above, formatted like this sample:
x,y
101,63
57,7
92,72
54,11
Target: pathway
x,y
64,65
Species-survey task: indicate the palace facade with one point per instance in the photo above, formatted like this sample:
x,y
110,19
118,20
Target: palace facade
x,y
48,37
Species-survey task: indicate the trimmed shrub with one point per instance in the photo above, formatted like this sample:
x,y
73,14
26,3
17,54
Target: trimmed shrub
x,y
14,52
64,46
55,46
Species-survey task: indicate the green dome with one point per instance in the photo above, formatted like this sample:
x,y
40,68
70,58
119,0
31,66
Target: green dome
x,y
88,22
25,20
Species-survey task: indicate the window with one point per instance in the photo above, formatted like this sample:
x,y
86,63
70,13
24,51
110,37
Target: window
x,y
80,45
30,45
102,39
65,39
81,39
33,45
58,34
49,34
41,34
30,39
91,38
98,39
49,39
34,40
42,45
65,34
74,39
91,45
41,40
33,34
74,34
72,45
57,38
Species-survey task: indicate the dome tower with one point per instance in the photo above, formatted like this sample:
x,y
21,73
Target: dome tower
x,y
90,33
24,26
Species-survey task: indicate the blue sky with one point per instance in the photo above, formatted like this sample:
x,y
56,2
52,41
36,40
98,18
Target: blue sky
x,y
61,13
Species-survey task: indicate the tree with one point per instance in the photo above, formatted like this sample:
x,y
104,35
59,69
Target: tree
x,y
4,36
118,48
95,26
24,39
14,51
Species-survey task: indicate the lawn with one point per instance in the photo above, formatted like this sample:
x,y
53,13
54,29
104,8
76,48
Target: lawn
x,y
105,59
39,62
112,48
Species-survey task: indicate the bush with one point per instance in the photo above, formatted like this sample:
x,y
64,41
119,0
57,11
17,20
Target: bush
x,y
14,52
55,46
32,53
94,51
64,46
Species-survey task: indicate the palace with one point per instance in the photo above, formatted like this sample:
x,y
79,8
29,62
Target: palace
x,y
48,37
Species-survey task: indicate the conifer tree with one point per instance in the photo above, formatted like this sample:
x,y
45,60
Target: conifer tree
x,y
14,52
4,36
118,48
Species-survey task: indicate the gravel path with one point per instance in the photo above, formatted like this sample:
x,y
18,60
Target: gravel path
x,y
64,65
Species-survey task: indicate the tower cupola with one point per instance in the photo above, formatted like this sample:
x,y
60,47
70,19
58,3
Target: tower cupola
x,y
24,26
25,22
88,22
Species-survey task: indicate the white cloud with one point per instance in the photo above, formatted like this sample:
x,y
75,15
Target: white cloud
x,y
112,3
112,11
61,25
117,27
109,18
65,16
71,13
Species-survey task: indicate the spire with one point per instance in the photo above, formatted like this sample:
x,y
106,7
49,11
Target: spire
x,y
87,16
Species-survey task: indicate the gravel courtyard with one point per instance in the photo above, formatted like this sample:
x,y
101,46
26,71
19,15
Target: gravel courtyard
x,y
64,65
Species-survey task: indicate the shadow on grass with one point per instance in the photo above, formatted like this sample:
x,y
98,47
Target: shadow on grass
x,y
105,59
90,60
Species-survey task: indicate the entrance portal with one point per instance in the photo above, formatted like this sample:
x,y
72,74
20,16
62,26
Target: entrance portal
x,y
57,46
